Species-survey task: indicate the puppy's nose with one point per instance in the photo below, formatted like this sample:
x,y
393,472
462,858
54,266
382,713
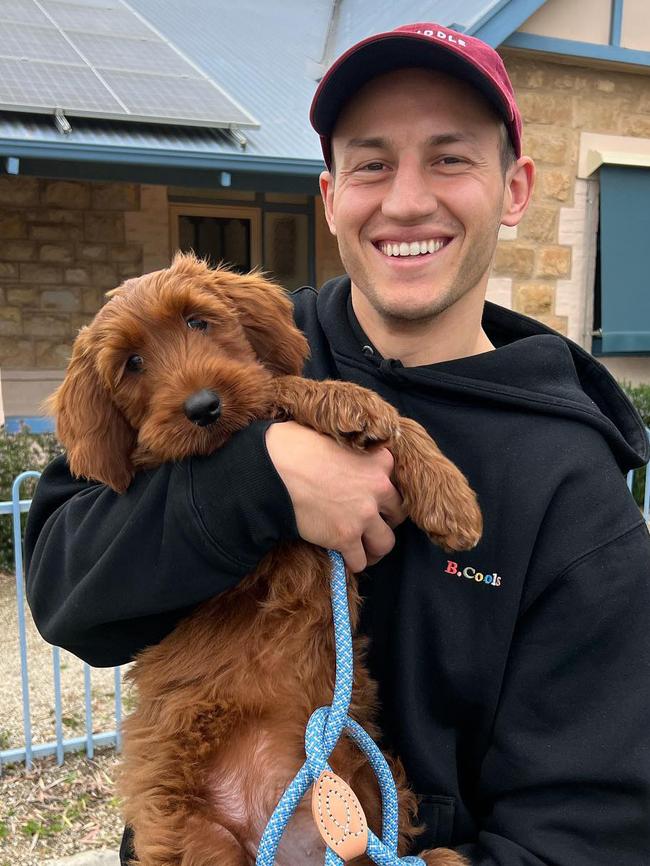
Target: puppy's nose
x,y
203,407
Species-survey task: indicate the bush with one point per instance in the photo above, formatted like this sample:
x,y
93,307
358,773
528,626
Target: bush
x,y
640,396
18,453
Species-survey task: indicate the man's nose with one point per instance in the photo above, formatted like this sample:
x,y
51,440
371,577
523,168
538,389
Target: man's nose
x,y
411,195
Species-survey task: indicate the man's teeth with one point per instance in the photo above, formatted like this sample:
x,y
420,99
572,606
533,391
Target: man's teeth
x,y
415,248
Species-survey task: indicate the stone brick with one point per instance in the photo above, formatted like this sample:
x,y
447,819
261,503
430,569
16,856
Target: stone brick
x,y
644,100
605,85
13,225
125,272
17,251
125,253
104,227
534,299
556,184
551,146
539,224
54,232
10,321
554,262
22,297
8,271
18,190
558,323
67,194
545,108
61,300
55,215
77,321
92,252
598,115
56,253
16,353
91,301
44,325
52,355
76,276
635,124
115,196
3,300
514,260
104,276
40,274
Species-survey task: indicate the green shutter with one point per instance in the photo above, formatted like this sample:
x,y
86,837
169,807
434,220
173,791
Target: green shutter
x,y
625,258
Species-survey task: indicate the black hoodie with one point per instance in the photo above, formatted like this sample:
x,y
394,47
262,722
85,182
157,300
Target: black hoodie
x,y
514,679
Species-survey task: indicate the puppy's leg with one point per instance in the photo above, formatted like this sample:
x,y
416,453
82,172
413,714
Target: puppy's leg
x,y
443,857
436,494
208,844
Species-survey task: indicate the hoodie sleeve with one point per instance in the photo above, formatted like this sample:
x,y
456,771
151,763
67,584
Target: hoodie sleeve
x,y
109,574
566,780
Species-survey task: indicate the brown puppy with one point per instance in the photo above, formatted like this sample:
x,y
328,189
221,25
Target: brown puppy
x,y
171,366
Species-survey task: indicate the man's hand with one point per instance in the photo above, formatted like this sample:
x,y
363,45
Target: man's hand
x,y
342,499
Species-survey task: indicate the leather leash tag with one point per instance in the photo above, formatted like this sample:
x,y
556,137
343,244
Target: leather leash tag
x,y
339,816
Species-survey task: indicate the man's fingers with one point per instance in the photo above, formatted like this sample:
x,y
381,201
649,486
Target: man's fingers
x,y
378,540
354,556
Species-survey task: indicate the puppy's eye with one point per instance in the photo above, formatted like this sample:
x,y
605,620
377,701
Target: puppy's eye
x,y
195,324
135,364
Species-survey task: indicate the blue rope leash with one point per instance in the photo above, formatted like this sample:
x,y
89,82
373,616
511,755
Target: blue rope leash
x,y
323,731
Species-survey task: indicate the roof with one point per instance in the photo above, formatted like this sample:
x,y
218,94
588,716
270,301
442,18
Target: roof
x,y
268,56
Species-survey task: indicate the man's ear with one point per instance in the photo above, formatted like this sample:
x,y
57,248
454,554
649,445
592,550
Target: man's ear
x,y
520,181
326,183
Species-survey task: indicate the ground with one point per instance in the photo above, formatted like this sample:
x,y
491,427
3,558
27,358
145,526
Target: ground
x,y
53,811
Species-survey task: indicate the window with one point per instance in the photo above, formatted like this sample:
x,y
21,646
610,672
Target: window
x,y
218,233
622,301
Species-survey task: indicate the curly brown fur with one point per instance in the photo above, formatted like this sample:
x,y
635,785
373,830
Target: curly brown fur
x,y
223,700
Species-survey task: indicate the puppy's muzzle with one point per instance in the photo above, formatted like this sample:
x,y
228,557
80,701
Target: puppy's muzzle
x,y
203,407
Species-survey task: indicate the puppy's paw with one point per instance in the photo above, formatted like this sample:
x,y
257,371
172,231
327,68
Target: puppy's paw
x,y
449,513
364,420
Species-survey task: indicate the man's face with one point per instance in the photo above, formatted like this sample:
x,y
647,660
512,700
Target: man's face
x,y
417,168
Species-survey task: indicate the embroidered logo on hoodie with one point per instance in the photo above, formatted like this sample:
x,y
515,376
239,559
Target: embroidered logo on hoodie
x,y
470,573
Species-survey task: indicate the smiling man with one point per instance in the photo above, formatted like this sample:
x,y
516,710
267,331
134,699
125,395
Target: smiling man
x,y
514,679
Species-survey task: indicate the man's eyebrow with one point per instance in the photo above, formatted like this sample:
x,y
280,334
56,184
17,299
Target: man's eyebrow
x,y
380,143
353,143
451,138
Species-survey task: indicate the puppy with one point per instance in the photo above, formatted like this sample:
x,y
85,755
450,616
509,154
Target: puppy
x,y
170,367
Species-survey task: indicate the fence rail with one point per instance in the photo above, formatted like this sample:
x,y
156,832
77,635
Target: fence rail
x,y
60,745
90,740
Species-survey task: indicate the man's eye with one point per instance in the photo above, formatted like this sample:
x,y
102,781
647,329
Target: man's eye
x,y
195,324
373,166
135,364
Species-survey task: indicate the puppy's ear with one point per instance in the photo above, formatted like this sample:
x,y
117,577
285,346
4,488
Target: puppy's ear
x,y
266,314
97,437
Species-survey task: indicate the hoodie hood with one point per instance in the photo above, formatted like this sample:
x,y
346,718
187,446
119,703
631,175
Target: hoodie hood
x,y
532,366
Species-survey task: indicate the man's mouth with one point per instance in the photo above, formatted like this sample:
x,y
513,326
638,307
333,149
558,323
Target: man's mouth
x,y
414,248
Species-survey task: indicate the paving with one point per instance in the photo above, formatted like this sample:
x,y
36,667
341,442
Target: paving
x,y
96,857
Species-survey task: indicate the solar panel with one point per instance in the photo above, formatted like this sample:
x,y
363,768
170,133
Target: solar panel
x,y
98,58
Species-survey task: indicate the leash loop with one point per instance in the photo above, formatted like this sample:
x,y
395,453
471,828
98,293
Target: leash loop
x,y
324,728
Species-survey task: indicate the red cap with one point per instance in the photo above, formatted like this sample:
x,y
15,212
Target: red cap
x,y
415,45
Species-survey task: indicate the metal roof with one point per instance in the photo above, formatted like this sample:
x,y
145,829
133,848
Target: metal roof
x,y
267,55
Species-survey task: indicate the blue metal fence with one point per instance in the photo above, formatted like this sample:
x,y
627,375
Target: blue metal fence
x,y
91,739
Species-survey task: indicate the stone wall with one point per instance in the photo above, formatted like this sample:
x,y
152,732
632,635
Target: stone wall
x,y
549,258
62,246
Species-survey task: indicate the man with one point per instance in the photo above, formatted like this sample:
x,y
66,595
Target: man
x,y
515,679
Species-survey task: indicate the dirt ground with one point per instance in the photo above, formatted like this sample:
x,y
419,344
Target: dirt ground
x,y
53,811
